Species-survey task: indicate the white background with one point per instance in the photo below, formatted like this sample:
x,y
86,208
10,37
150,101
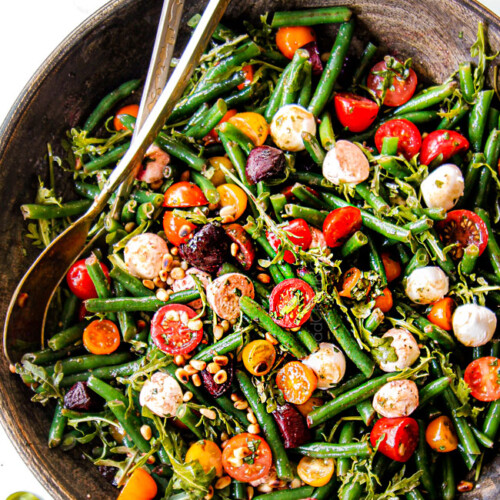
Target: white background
x,y
29,31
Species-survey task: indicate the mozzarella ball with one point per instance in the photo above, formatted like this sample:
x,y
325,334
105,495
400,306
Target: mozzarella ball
x,y
443,187
346,163
162,394
474,325
398,398
426,285
288,124
328,363
144,255
406,348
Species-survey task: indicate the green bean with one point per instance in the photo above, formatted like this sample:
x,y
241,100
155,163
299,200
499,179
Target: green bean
x,y
67,337
305,196
46,356
448,486
308,340
493,119
432,213
492,248
364,61
414,495
239,491
422,461
418,117
36,211
376,263
145,212
278,202
310,215
313,147
419,259
374,200
420,226
311,17
69,311
227,406
491,422
306,90
469,259
432,389
389,149
276,96
478,119
89,191
57,427
492,153
366,412
292,82
125,319
141,196
327,491
228,344
287,494
181,151
471,176
354,243
436,248
130,283
206,185
240,97
99,280
482,438
311,179
209,120
427,98
238,159
111,225
348,385
129,211
190,420
346,436
466,81
234,134
109,158
330,450
374,320
351,491
460,109
196,117
326,134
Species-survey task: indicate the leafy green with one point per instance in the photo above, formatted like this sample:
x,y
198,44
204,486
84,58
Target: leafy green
x,y
399,485
48,384
478,49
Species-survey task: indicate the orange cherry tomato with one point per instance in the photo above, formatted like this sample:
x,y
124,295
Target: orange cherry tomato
x,y
234,197
291,38
184,194
248,72
441,436
212,136
253,125
177,229
297,382
442,312
309,406
140,486
392,267
131,110
384,302
483,378
315,471
216,162
259,356
101,337
207,454
353,285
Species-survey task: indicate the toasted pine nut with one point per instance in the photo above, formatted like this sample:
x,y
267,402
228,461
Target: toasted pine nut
x,y
198,364
179,360
213,368
161,294
172,316
251,417
177,273
296,483
163,275
249,492
235,397
241,405
158,283
182,375
225,325
129,227
264,278
188,396
271,339
218,332
210,414
196,380
224,436
222,482
146,432
148,284
167,262
195,324
254,429
221,360
220,377
234,249
264,488
242,452
174,250
12,368
191,370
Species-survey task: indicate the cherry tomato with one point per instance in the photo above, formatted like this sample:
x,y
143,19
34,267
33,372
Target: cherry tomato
x,y
483,378
310,405
246,250
340,224
384,302
400,89
82,312
253,125
440,145
259,356
298,233
256,452
297,382
170,331
315,471
101,337
354,112
248,72
392,267
131,110
184,194
216,162
79,281
207,454
291,38
400,437
463,228
233,202
177,229
212,137
442,313
354,286
409,138
140,486
441,436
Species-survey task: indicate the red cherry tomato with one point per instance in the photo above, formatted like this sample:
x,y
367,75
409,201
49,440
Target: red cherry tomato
x,y
407,132
291,38
441,145
184,194
290,303
131,110
246,250
354,112
177,229
340,224
79,281
400,437
483,378
212,137
82,312
298,233
400,89
463,228
248,72
170,331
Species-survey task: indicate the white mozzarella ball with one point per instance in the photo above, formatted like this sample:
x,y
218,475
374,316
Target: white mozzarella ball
x,y
162,394
346,163
443,187
427,284
398,398
328,363
288,124
474,325
406,348
144,255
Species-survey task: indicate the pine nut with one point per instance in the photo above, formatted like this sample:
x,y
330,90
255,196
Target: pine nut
x,y
224,436
163,275
146,432
251,417
177,273
167,262
234,249
179,360
210,493
271,339
195,324
296,483
218,332
235,397
184,230
210,414
254,429
158,283
222,483
249,492
264,488
242,452
190,370
220,377
148,284
264,278
225,325
161,294
221,360
12,368
182,375
241,405
188,396
129,227
197,364
213,368
196,380
174,250
172,316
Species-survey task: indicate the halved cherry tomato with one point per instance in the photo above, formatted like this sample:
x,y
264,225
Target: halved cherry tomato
x,y
400,437
248,72
177,229
140,486
253,459
232,199
440,145
259,356
297,382
392,267
310,405
399,91
354,112
82,312
315,471
408,134
253,125
463,228
101,337
79,281
442,313
131,110
384,302
298,233
212,136
290,303
441,436
207,454
483,378
216,162
340,224
291,38
354,286
170,331
246,250
184,194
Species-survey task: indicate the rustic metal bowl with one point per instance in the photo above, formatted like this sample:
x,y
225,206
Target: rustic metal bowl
x,y
114,46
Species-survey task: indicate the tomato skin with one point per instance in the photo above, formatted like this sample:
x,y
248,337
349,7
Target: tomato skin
x,y
340,224
392,267
410,140
101,337
483,378
400,90
131,110
441,145
259,356
79,281
207,454
441,436
140,486
384,302
253,125
291,38
246,249
400,440
297,382
315,471
248,72
354,112
213,137
298,233
442,312
177,229
184,194
233,196
353,279
285,292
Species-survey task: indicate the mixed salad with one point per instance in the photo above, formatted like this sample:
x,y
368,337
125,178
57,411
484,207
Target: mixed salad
x,y
300,297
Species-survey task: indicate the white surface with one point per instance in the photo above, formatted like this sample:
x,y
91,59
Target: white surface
x,y
29,31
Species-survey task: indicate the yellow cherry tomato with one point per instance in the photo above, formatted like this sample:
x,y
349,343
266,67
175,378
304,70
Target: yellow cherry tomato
x,y
259,357
208,454
441,436
216,162
253,125
310,405
315,471
233,202
140,486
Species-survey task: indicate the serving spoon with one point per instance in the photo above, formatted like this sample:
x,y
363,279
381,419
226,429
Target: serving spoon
x,y
27,313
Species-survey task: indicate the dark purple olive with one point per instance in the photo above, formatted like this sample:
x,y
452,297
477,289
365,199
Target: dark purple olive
x,y
292,426
81,398
314,57
208,249
217,390
265,162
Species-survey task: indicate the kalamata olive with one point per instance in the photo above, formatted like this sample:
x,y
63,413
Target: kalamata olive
x,y
207,249
216,390
81,398
314,57
265,162
292,425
